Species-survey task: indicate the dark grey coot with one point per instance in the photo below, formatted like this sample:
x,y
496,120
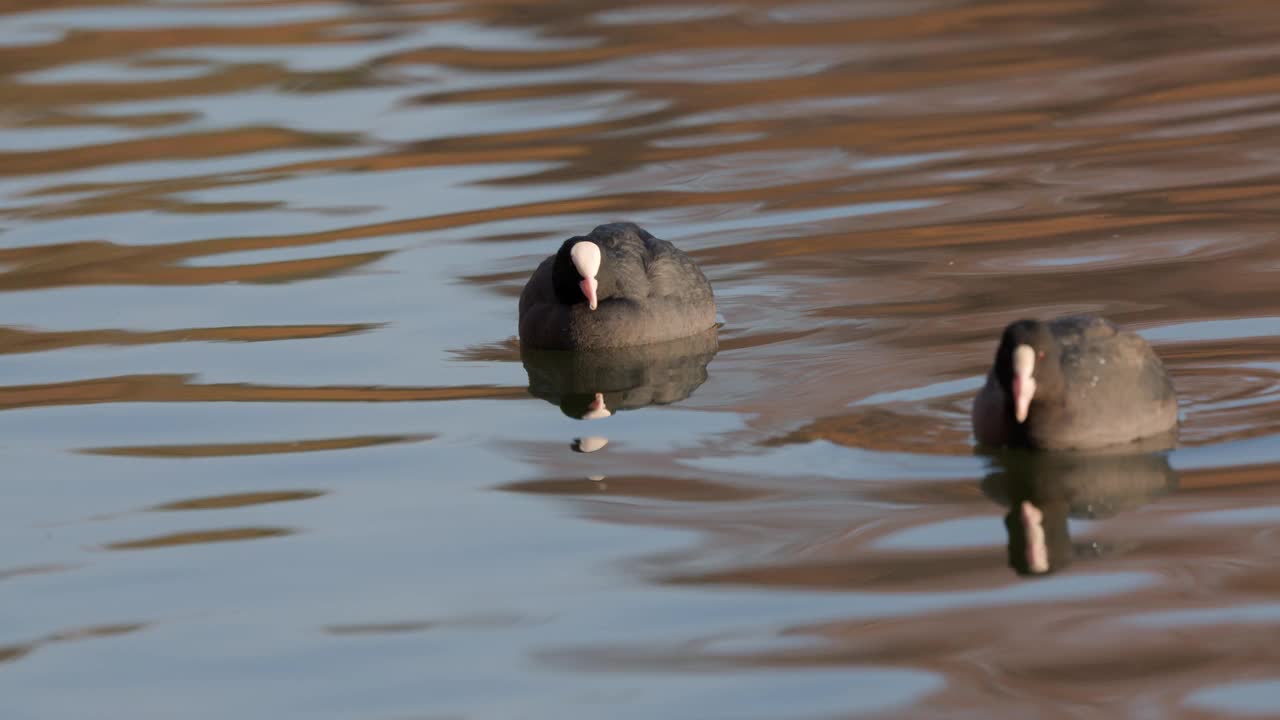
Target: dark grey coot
x,y
617,287
1075,382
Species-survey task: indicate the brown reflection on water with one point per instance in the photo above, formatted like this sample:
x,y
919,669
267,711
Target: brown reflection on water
x,y
238,500
14,652
17,340
656,488
886,430
31,570
241,449
1243,478
178,388
187,147
111,264
956,570
403,627
200,537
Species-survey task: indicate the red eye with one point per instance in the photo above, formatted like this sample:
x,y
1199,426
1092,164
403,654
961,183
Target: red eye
x,y
1040,355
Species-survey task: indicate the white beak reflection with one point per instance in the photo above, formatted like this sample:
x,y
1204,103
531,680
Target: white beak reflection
x,y
590,444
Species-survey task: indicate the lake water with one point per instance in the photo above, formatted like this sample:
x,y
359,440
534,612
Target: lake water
x,y
270,450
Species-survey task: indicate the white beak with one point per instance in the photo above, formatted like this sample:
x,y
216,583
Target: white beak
x,y
1024,386
586,260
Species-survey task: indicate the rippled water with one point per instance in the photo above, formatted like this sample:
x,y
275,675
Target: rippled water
x,y
272,450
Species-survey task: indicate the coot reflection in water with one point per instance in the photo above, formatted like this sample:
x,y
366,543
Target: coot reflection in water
x,y
592,384
1043,490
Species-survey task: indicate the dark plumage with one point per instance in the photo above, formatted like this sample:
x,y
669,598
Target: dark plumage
x,y
1084,384
647,291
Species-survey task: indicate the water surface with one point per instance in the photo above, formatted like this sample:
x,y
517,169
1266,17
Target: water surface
x,y
272,450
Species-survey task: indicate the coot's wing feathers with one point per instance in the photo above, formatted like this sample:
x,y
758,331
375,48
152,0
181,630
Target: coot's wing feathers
x,y
1154,381
1081,340
648,267
673,275
1116,387
1096,352
1081,327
